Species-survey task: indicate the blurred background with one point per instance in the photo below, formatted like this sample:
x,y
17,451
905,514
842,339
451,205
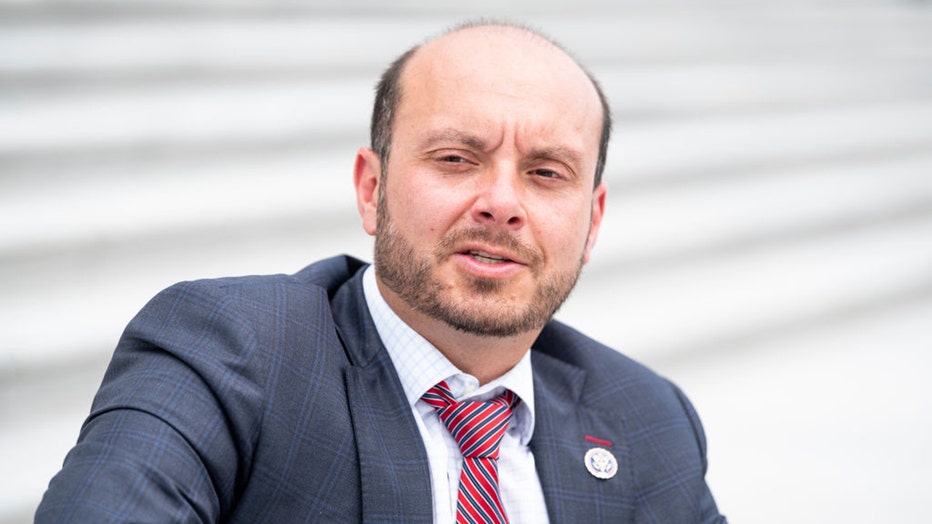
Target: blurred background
x,y
767,244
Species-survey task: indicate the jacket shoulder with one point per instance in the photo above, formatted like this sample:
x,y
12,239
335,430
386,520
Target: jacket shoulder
x,y
209,376
328,274
604,366
656,431
615,383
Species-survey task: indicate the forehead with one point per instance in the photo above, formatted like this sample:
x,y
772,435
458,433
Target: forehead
x,y
495,75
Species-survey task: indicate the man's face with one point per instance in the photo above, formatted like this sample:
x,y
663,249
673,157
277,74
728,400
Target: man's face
x,y
486,209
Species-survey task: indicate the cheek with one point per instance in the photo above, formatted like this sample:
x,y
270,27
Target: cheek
x,y
422,214
434,208
564,228
570,222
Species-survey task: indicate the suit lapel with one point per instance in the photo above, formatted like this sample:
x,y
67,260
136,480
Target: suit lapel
x,y
394,471
559,445
556,430
393,464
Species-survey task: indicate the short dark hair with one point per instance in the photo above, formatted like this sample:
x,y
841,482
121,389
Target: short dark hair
x,y
388,96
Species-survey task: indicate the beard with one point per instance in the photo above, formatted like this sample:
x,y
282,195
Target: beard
x,y
483,307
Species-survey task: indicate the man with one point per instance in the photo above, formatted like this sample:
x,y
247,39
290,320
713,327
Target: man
x,y
332,395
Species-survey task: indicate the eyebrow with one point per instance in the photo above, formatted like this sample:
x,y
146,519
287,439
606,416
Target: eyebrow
x,y
564,154
454,135
567,155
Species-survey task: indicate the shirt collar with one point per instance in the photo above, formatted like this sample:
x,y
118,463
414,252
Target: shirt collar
x,y
421,366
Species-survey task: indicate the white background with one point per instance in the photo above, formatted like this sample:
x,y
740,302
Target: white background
x,y
767,244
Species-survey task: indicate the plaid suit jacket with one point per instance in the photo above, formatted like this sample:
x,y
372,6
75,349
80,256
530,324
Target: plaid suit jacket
x,y
272,399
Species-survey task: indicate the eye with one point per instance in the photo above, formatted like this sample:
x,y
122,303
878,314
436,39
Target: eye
x,y
546,173
453,159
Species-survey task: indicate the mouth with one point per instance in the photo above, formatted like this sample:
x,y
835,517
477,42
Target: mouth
x,y
486,258
489,255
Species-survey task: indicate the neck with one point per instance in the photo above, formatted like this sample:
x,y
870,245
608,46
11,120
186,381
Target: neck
x,y
484,357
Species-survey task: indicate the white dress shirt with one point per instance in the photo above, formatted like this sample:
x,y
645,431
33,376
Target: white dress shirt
x,y
421,366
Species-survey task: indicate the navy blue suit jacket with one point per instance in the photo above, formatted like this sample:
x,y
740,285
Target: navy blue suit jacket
x,y
272,399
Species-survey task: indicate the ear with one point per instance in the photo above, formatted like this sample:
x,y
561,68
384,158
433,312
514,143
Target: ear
x,y
366,176
598,211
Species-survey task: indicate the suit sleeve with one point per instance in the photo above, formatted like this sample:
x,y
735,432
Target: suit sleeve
x,y
170,430
709,513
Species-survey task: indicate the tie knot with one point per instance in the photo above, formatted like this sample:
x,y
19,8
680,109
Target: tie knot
x,y
477,426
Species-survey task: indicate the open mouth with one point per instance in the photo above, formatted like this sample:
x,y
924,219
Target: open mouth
x,y
486,258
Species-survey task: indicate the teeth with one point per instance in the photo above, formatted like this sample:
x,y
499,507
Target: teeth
x,y
487,257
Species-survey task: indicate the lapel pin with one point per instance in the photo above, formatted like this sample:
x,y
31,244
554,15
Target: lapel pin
x,y
601,463
600,441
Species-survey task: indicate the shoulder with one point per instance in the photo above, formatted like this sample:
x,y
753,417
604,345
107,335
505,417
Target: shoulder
x,y
255,296
326,275
653,427
611,381
240,338
236,326
242,328
602,364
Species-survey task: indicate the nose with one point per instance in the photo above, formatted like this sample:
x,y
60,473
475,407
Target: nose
x,y
499,202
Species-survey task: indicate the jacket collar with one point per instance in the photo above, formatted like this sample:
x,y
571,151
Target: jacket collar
x,y
393,466
394,474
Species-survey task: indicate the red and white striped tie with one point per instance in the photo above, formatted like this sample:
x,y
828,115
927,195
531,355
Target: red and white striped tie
x,y
478,428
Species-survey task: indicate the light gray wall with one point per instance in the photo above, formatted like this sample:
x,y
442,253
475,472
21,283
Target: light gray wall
x,y
767,244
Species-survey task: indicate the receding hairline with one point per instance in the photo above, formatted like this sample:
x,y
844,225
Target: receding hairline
x,y
501,27
390,89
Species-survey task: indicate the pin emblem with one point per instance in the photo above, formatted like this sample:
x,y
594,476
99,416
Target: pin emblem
x,y
601,463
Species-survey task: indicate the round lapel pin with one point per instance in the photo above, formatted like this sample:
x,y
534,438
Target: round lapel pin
x,y
601,463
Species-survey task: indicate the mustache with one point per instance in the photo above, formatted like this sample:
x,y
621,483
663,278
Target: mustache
x,y
500,239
